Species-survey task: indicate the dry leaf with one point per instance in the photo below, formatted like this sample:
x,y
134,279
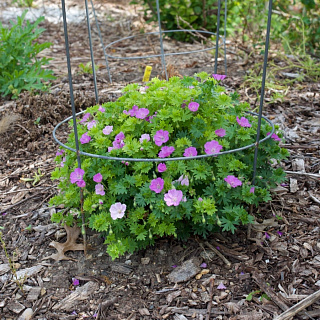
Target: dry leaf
x,y
69,245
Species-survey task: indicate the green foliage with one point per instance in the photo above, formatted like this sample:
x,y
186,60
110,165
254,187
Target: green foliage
x,y
87,68
20,68
23,3
182,14
208,202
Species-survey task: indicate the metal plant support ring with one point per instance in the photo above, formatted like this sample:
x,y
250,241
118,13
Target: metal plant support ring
x,y
162,55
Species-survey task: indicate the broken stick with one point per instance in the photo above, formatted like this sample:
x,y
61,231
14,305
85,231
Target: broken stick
x,y
299,306
219,254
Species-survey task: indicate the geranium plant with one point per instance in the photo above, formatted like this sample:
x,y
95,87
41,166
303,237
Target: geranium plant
x,y
134,203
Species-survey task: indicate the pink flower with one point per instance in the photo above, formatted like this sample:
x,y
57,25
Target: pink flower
x,y
274,136
118,145
75,282
193,106
60,152
219,77
119,137
117,210
63,161
85,138
243,122
85,118
76,175
110,149
184,180
100,201
107,130
156,185
161,137
162,167
100,189
142,113
173,197
233,181
200,199
144,137
165,152
220,132
91,124
212,147
101,109
132,112
190,152
252,190
221,286
97,177
191,87
81,184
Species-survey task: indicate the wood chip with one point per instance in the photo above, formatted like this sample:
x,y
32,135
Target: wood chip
x,y
15,306
186,271
144,312
81,293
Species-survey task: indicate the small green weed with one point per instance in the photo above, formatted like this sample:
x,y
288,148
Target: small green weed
x,y
23,3
87,68
20,68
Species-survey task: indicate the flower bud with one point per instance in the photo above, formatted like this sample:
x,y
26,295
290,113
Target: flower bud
x,y
218,221
151,206
150,234
203,219
154,175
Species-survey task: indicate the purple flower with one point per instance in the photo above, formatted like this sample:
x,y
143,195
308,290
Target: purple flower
x,y
119,137
133,111
74,313
85,118
156,185
219,77
212,147
267,235
76,175
162,167
252,190
75,282
165,152
142,113
233,181
63,161
81,184
144,137
174,266
97,177
4,214
117,210
274,136
200,199
220,132
243,122
203,265
118,145
183,105
101,109
91,124
184,180
100,201
107,130
173,197
190,152
279,233
161,137
85,138
100,189
221,286
60,152
193,106
191,87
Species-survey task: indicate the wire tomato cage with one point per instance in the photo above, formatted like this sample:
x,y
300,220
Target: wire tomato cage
x,y
162,55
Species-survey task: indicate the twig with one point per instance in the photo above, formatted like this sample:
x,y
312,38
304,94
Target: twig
x,y
230,253
314,198
210,301
276,298
18,125
299,306
190,26
314,175
219,254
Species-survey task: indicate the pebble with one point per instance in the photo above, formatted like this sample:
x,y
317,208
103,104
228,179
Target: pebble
x,y
27,314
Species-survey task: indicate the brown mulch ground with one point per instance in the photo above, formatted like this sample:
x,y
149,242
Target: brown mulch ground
x,y
279,255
